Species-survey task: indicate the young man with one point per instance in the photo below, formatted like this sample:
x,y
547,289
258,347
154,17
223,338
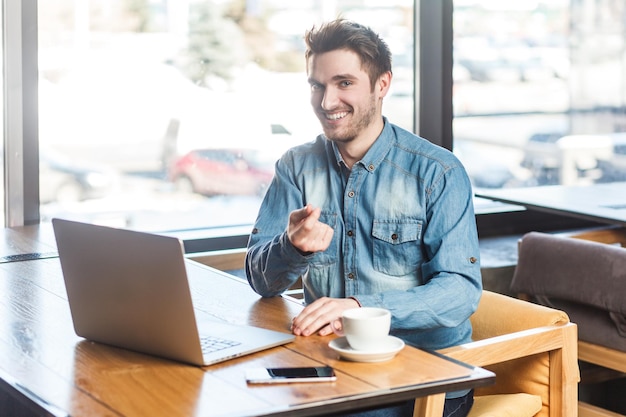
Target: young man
x,y
374,215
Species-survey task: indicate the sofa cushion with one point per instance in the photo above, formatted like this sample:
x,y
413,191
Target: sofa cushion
x,y
584,278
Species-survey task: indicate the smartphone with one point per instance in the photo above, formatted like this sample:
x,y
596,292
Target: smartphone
x,y
287,375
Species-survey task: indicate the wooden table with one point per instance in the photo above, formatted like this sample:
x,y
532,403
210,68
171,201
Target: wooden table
x,y
45,369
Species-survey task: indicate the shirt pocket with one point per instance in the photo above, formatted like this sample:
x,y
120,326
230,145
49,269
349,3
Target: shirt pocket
x,y
397,248
330,255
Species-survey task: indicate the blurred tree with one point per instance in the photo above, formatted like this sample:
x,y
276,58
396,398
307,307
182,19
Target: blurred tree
x,y
140,10
253,21
258,38
216,45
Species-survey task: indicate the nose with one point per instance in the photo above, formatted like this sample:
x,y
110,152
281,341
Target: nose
x,y
330,99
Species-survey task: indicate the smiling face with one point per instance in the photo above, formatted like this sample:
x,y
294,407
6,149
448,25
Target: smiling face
x,y
343,99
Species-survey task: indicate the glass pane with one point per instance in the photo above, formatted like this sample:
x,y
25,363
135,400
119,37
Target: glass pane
x,y
169,114
539,93
2,129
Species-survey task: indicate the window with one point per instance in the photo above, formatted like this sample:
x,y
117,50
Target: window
x,y
539,95
127,86
169,115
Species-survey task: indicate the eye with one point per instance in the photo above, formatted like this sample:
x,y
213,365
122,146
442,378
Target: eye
x,y
346,83
315,86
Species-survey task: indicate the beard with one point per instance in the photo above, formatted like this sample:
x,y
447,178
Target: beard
x,y
360,121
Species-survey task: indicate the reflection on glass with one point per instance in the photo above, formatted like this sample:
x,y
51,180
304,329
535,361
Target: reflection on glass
x,y
140,98
538,95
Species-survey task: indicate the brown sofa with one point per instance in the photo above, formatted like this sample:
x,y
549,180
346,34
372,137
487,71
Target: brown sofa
x,y
587,280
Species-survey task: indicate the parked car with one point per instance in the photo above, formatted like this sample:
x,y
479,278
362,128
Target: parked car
x,y
554,158
222,172
487,171
62,179
614,168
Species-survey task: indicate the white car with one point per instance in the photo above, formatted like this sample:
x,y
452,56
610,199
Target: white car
x,y
63,179
614,168
566,160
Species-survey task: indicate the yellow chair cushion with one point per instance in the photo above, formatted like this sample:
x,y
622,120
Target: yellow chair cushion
x,y
506,405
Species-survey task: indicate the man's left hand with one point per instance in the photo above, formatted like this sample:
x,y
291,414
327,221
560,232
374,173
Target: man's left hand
x,y
316,317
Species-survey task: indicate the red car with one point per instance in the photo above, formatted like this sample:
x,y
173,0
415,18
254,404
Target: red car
x,y
222,171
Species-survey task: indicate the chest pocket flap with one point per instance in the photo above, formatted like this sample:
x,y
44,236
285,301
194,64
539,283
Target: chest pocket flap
x,y
397,231
396,250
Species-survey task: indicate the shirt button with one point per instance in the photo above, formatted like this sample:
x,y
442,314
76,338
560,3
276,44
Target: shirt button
x,y
350,233
350,275
351,194
473,260
371,167
394,236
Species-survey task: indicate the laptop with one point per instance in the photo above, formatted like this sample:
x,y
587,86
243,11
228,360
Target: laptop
x,y
130,289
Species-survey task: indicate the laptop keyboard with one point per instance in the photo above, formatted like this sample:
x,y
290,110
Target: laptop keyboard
x,y
211,344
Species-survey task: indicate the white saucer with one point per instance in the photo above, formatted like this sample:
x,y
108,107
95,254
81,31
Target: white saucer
x,y
341,346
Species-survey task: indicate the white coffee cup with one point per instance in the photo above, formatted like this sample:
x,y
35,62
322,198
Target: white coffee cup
x,y
365,328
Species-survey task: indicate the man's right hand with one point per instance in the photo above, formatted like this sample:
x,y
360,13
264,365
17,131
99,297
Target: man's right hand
x,y
306,232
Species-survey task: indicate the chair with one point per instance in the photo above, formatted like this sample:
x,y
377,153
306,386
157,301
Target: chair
x,y
233,262
224,260
587,280
531,349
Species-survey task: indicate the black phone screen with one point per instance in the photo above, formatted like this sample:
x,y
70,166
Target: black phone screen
x,y
304,372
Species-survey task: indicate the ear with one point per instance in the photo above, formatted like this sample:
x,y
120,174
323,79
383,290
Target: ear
x,y
383,84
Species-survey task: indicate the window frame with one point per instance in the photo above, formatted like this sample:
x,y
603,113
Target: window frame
x,y
20,112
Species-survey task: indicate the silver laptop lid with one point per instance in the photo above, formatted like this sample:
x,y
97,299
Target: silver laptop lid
x,y
131,289
128,289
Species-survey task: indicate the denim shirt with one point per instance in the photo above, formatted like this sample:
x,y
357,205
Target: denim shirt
x,y
404,238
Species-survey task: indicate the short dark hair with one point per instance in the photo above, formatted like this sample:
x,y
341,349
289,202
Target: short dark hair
x,y
343,34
